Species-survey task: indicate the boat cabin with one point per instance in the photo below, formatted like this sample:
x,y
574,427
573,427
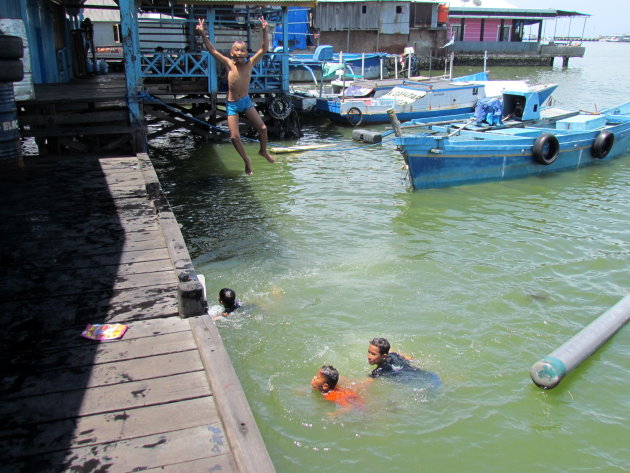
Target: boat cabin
x,y
521,105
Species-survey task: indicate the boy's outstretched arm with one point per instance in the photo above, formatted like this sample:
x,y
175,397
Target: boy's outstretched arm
x,y
264,46
209,46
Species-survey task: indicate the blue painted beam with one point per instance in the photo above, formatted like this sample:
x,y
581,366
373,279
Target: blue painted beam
x,y
131,58
285,50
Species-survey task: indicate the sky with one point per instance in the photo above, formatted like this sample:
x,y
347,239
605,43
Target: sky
x,y
607,16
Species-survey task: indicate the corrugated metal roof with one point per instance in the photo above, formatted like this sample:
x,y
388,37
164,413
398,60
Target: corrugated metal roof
x,y
282,3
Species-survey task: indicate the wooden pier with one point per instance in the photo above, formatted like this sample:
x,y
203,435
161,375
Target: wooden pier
x,y
90,239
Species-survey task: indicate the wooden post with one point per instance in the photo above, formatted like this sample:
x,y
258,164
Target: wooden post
x,y
190,301
394,121
131,56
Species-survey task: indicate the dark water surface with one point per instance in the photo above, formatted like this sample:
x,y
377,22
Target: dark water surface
x,y
331,248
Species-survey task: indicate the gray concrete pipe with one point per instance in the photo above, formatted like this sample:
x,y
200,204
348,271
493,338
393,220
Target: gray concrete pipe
x,y
549,371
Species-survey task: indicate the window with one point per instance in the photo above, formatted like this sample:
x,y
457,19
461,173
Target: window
x,y
504,33
399,9
456,32
364,9
117,35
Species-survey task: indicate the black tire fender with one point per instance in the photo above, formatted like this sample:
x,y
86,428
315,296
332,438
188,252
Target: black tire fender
x,y
603,144
11,47
546,149
280,107
354,116
11,70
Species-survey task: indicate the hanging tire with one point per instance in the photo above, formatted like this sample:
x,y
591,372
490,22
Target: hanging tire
x,y
354,116
11,47
11,70
603,144
280,107
546,149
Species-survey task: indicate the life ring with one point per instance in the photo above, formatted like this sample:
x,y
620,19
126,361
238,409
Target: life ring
x,y
546,149
354,116
280,107
603,144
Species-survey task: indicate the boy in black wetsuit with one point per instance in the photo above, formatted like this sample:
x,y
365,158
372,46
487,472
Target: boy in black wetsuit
x,y
394,364
386,363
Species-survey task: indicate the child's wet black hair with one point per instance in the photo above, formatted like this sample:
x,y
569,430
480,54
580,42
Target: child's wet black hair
x,y
382,344
227,297
331,374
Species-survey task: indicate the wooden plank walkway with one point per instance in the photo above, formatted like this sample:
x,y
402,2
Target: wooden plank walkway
x,y
81,242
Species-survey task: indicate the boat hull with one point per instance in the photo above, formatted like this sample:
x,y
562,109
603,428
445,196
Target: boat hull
x,y
372,117
434,162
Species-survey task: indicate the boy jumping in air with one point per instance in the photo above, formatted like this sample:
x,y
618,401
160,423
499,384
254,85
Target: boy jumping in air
x,y
238,100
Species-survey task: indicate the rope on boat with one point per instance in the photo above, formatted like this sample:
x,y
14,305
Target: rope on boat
x,y
147,96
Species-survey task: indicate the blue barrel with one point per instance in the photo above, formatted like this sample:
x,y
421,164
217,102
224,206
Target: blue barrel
x,y
10,147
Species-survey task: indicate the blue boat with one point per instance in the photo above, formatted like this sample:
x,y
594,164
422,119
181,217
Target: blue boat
x,y
421,99
451,151
324,63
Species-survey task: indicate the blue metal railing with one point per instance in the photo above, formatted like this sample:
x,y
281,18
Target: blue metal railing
x,y
267,76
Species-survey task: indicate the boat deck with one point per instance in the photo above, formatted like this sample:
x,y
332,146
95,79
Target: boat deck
x,y
82,243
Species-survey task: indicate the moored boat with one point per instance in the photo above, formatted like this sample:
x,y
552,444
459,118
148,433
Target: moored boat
x,y
324,63
533,141
421,99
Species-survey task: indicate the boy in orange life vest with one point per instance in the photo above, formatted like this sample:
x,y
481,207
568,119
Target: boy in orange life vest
x,y
239,75
326,381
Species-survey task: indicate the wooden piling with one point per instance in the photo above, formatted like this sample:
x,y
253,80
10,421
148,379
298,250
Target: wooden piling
x,y
394,121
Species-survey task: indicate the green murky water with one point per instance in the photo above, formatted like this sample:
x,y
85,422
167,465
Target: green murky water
x,y
329,249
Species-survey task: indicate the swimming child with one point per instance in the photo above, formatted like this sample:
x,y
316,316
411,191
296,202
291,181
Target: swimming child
x,y
227,298
397,365
326,381
238,100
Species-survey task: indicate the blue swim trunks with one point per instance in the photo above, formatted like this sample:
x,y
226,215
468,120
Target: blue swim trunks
x,y
241,105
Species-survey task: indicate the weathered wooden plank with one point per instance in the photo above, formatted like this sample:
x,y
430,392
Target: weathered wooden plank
x,y
218,463
153,328
72,131
123,218
99,202
139,454
11,228
104,399
29,320
81,352
38,439
66,348
74,118
104,374
57,284
67,339
59,248
242,432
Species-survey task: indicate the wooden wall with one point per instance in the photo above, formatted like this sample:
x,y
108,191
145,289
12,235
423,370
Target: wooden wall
x,y
388,17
